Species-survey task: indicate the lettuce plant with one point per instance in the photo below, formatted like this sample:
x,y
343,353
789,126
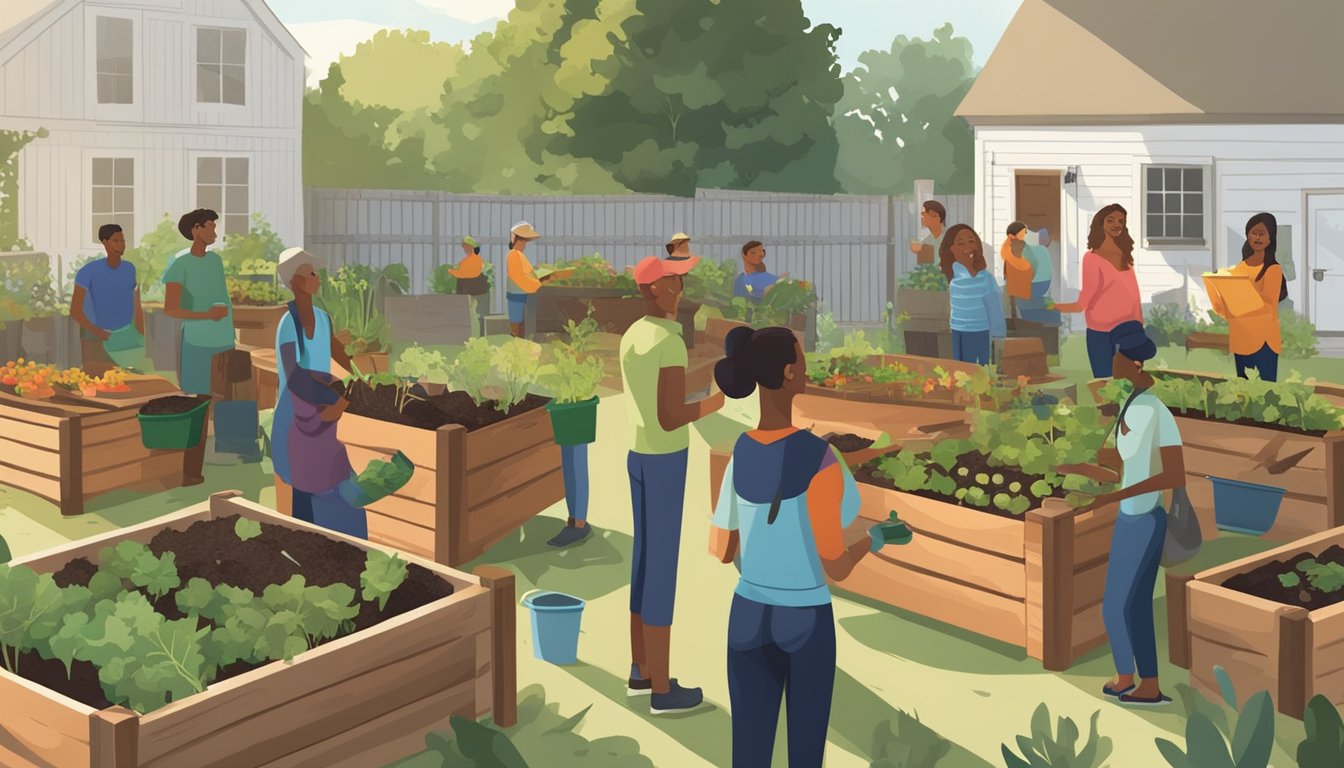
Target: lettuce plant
x,y
470,370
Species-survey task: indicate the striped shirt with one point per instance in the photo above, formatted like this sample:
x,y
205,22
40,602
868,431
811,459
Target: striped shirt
x,y
976,303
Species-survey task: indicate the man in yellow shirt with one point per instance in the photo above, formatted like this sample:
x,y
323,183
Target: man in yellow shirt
x,y
523,280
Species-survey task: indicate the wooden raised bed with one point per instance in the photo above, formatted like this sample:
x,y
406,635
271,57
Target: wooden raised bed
x,y
257,326
361,700
1202,340
1034,582
893,393
470,489
547,309
266,375
1287,650
71,449
431,319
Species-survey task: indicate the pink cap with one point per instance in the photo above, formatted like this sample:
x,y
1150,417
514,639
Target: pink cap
x,y
652,269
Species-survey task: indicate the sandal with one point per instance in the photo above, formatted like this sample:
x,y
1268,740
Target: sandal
x,y
1107,690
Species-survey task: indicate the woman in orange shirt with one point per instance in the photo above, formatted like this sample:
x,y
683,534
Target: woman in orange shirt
x,y
1254,337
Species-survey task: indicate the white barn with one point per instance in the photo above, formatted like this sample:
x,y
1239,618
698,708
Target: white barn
x,y
1193,115
151,107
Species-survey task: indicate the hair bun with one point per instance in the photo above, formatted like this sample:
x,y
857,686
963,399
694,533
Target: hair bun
x,y
737,341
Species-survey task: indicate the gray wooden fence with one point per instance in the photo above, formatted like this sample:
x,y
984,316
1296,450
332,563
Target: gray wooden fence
x,y
852,247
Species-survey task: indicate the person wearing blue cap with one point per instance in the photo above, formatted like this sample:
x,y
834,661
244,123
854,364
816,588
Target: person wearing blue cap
x,y
1148,450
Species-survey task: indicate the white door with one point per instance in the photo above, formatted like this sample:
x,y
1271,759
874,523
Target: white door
x,y
1325,260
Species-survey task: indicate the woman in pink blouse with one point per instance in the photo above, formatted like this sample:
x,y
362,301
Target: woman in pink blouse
x,y
1110,294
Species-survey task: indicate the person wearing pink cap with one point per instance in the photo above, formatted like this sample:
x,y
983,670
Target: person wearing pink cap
x,y
653,371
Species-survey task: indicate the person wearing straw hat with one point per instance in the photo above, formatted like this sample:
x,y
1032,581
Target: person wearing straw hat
x,y
471,278
679,246
523,280
306,454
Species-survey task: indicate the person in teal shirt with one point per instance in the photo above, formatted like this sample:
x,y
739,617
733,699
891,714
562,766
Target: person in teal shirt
x,y
1042,272
197,294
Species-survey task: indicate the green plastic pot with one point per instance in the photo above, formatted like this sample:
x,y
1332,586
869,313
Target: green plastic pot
x,y
173,431
574,423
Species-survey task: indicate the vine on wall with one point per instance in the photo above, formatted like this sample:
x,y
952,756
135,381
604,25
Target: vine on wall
x,y
11,143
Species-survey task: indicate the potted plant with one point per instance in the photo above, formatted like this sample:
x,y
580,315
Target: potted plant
x,y
349,296
789,304
572,380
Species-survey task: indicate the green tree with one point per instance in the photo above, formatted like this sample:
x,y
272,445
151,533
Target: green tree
x,y
715,94
401,69
895,122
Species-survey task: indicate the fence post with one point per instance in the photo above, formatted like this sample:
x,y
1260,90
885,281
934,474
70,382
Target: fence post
x,y
891,250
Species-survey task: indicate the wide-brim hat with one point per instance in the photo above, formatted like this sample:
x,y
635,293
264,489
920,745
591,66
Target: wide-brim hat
x,y
677,238
293,258
524,230
652,269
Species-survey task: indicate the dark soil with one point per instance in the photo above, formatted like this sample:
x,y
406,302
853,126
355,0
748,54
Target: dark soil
x,y
212,551
849,443
162,406
1264,582
974,462
448,408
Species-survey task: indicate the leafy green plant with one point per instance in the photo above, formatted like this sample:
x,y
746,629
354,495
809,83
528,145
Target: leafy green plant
x,y
30,611
910,744
470,370
256,293
593,272
419,364
349,296
573,377
829,333
711,282
382,574
134,562
151,257
1323,577
1169,324
925,277
246,528
1212,740
1290,403
1044,749
515,364
1324,745
256,252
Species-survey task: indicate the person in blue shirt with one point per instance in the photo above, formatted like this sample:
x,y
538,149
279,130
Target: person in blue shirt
x,y
976,302
106,299
1037,252
785,501
755,281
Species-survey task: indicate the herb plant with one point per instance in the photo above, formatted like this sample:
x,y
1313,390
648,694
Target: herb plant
x,y
419,364
905,742
134,562
383,573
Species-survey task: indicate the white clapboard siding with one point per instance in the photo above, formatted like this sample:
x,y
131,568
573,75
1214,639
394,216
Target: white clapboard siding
x,y
840,242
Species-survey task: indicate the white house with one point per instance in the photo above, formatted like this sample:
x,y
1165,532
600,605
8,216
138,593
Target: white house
x,y
151,107
1193,115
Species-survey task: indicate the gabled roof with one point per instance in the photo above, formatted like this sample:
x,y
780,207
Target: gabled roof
x,y
17,15
1164,61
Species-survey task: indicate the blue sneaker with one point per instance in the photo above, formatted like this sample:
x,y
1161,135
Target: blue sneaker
x,y
677,699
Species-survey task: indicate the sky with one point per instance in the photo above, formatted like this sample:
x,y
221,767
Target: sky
x,y
330,28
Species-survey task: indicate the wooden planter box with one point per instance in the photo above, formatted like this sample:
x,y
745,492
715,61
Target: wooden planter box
x,y
432,319
53,339
1034,582
69,450
362,700
266,375
1200,340
617,314
1287,650
1315,484
546,312
926,310
891,393
256,326
470,489
1026,329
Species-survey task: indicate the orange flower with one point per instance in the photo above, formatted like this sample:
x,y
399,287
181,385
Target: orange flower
x,y
929,384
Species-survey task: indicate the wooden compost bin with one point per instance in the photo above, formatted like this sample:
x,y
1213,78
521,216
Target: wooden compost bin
x,y
1310,468
69,449
365,699
1034,582
257,326
469,490
1287,650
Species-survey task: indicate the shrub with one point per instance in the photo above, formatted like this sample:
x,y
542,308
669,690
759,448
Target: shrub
x,y
1169,324
254,253
1043,749
911,744
152,256
925,277
1324,745
1212,739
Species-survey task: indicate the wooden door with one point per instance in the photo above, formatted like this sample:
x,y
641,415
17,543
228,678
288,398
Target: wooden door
x,y
1038,203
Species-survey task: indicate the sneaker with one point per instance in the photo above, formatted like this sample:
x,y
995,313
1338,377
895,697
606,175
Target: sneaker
x,y
571,534
677,699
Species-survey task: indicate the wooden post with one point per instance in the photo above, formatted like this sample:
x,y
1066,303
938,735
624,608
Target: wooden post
x,y
71,442
450,494
1334,478
1295,676
1178,619
503,643
1049,604
219,503
114,738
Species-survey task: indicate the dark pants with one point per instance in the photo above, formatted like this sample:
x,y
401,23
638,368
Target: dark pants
x,y
1127,603
971,347
773,650
301,505
1100,353
657,493
1266,362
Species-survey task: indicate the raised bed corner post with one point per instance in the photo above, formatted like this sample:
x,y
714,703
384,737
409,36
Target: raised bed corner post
x,y
71,441
1049,563
503,643
114,738
1334,478
1295,660
450,524
1178,618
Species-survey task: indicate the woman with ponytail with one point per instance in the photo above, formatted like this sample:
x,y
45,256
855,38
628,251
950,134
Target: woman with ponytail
x,y
786,500
1254,337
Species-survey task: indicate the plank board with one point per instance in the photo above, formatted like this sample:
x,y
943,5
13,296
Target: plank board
x,y
413,511
47,487
40,460
400,535
994,573
971,528
508,438
363,432
500,516
41,436
1235,620
41,727
97,434
119,453
1251,671
161,466
1242,440
489,482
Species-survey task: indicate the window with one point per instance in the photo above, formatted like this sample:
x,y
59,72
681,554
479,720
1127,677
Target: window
x,y
221,186
221,66
114,195
1174,200
114,61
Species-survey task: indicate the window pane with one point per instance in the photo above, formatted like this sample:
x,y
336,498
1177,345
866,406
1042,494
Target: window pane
x,y
207,84
1194,203
207,46
236,225
209,197
102,171
1173,203
98,221
1194,180
107,89
1173,180
1154,179
1154,202
114,44
125,172
1155,228
237,170
1172,227
102,200
1194,226
125,89
123,200
209,170
234,46
234,89
235,199
128,229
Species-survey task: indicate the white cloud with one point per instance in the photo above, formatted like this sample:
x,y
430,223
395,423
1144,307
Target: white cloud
x,y
327,41
474,11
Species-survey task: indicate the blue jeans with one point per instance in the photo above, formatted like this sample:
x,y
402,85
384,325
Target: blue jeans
x,y
574,467
517,307
771,650
1033,310
971,347
1266,362
657,493
1127,603
331,511
1100,353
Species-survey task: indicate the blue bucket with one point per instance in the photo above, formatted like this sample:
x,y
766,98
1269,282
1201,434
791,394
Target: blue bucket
x,y
555,626
1242,507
